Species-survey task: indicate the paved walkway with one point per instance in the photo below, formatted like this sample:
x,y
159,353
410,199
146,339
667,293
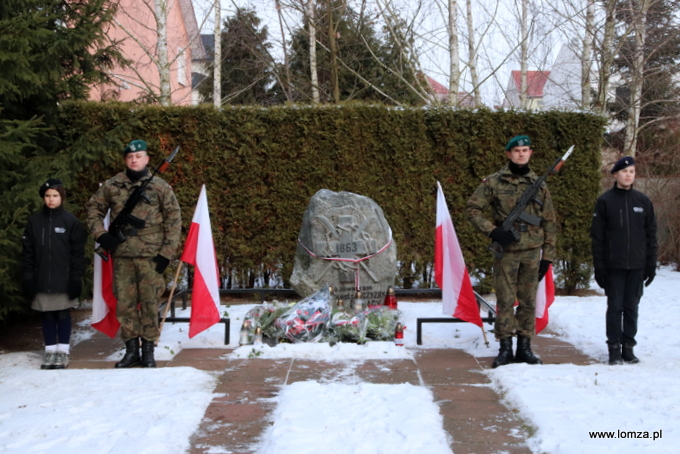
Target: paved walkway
x,y
474,417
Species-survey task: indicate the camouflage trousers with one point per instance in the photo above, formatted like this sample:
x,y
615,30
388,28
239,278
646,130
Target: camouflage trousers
x,y
138,289
515,278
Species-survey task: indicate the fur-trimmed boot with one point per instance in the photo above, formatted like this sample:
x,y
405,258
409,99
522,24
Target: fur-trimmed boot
x,y
628,355
524,353
504,353
147,353
615,357
131,358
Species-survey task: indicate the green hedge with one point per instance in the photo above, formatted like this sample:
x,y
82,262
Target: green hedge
x,y
261,167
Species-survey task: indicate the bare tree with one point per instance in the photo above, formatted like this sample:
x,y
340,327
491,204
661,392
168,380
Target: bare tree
x,y
524,54
311,20
472,53
217,58
144,29
586,59
454,74
639,11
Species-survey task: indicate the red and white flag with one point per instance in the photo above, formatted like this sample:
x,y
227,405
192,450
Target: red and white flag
x,y
103,302
544,298
450,273
199,250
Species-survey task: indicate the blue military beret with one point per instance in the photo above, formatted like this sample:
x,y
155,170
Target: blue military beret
x,y
518,141
134,146
622,163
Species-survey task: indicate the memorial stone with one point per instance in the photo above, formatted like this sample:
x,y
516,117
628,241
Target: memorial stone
x,y
345,242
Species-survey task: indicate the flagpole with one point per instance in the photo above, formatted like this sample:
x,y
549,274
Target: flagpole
x,y
486,341
172,292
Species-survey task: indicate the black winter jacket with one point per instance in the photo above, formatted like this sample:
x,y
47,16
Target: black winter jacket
x,y
54,250
623,231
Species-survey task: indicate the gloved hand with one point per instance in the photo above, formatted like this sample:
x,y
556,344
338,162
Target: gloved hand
x,y
108,241
29,289
650,273
543,268
601,277
161,263
74,288
501,236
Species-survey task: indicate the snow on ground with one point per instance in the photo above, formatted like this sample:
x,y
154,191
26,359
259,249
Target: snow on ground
x,y
635,408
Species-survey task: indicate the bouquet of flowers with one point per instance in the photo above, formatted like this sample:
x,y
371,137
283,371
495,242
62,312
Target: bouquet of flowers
x,y
265,315
381,322
346,327
307,320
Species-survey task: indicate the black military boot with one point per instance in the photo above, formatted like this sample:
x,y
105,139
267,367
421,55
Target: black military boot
x,y
131,358
504,353
524,353
627,354
615,357
147,353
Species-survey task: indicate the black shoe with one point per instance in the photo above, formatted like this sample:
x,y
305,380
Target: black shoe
x,y
147,353
615,357
504,353
627,354
131,358
524,353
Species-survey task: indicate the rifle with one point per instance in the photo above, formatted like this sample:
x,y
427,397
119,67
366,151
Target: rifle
x,y
518,212
125,217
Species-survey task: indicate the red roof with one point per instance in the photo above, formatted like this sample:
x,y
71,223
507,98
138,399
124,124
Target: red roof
x,y
535,82
438,88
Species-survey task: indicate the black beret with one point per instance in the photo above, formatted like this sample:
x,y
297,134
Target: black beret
x,y
52,183
518,141
622,163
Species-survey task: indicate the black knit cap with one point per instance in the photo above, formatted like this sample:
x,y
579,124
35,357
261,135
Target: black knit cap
x,y
622,163
52,183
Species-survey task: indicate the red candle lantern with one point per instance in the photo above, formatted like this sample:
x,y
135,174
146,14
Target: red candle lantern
x,y
399,335
390,298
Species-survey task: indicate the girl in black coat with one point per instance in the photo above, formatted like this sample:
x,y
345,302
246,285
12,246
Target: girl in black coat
x,y
53,264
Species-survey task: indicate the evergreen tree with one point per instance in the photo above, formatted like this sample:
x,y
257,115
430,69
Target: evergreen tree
x,y
50,51
365,63
246,69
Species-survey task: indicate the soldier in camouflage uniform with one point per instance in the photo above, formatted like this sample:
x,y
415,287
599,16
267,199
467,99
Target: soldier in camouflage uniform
x,y
139,261
524,262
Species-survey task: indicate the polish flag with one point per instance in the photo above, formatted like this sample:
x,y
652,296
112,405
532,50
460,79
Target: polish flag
x,y
452,277
103,302
199,250
544,298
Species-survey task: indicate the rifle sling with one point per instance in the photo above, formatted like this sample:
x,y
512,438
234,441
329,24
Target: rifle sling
x,y
131,231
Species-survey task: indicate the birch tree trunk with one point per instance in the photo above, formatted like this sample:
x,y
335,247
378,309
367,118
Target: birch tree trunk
x,y
312,51
286,65
217,71
454,77
524,56
639,11
606,57
587,56
472,51
161,12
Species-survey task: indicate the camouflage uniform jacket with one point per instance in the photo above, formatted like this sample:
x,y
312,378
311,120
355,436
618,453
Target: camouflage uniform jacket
x,y
501,191
161,234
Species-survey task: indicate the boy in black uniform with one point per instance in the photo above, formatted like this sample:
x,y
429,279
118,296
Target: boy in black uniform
x,y
624,247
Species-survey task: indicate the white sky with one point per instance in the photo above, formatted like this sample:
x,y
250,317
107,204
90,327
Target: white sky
x,y
124,411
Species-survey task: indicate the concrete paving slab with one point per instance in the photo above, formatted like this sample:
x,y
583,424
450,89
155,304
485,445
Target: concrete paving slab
x,y
474,416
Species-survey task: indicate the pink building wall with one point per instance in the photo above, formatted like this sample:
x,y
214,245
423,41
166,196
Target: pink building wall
x,y
133,83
